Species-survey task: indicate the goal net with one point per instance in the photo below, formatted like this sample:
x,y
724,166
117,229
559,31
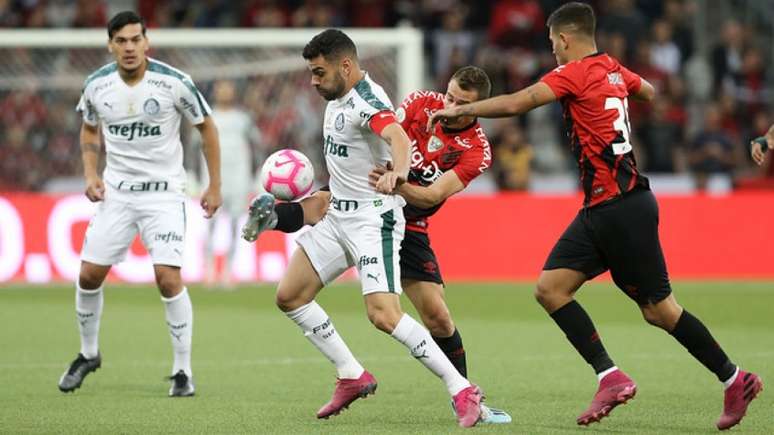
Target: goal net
x,y
43,72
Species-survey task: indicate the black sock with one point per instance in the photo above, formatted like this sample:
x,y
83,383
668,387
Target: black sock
x,y
692,334
290,217
579,329
452,347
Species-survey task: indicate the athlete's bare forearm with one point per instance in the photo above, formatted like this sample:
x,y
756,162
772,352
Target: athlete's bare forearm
x,y
211,150
401,147
90,146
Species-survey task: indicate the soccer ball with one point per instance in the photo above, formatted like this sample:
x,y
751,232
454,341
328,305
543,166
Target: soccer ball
x,y
287,174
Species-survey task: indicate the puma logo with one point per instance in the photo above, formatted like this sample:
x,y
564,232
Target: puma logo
x,y
177,336
423,355
375,278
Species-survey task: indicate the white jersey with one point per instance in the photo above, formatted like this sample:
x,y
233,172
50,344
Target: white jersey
x,y
141,126
351,149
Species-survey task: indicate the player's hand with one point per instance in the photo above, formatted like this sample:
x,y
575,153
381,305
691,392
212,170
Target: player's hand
x,y
756,150
375,174
211,201
95,189
389,181
444,115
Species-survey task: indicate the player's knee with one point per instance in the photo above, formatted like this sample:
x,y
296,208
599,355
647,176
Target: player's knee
x,y
89,281
544,293
169,284
658,318
90,278
439,322
288,300
383,320
652,317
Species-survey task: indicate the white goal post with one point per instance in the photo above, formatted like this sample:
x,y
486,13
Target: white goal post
x,y
405,40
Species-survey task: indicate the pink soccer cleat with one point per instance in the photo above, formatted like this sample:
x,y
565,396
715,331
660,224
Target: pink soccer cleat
x,y
346,392
615,389
738,397
467,405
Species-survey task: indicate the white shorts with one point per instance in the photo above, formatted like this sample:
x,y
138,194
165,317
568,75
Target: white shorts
x,y
161,225
368,239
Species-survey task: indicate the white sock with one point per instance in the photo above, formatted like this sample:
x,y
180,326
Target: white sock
x,y
727,383
179,315
318,328
604,373
422,347
88,309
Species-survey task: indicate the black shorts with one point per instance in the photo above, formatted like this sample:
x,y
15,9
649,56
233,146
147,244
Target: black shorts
x,y
417,259
621,236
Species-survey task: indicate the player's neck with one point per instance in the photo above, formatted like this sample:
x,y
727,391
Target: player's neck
x,y
133,77
357,75
582,51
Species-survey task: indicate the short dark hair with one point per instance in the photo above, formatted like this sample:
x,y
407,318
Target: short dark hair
x,y
122,19
574,16
332,44
473,78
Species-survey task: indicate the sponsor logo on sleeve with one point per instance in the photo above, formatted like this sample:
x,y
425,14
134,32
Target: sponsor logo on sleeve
x,y
615,78
189,106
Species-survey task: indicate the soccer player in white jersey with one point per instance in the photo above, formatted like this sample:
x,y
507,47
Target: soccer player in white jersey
x,y
138,103
363,228
237,131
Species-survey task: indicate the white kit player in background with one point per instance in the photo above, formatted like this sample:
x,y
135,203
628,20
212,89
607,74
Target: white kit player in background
x,y
364,228
138,103
237,131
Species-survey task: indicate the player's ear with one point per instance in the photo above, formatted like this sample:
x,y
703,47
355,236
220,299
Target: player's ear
x,y
346,66
563,37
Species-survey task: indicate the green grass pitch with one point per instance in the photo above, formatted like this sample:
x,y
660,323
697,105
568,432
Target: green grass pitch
x,y
256,373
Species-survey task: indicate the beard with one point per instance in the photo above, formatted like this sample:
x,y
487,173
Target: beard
x,y
335,91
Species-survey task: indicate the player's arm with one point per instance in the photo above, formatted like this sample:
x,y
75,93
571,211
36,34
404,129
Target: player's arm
x,y
90,146
646,92
760,145
500,106
211,198
400,144
425,196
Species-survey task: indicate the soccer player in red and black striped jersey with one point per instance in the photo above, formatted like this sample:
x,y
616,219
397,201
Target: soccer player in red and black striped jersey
x,y
617,228
443,162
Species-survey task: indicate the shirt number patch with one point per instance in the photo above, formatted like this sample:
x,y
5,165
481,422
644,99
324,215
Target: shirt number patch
x,y
621,123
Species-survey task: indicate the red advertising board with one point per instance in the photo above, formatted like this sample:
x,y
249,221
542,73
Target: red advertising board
x,y
502,237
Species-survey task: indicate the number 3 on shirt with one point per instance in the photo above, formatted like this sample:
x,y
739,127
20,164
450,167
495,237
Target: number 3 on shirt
x,y
621,123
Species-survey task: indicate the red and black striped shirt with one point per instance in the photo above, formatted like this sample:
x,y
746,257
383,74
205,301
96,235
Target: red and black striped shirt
x,y
593,92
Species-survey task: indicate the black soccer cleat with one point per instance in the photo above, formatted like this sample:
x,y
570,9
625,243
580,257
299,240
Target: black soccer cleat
x,y
182,385
72,379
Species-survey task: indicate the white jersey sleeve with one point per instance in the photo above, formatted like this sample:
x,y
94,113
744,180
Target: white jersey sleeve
x,y
190,101
86,107
370,100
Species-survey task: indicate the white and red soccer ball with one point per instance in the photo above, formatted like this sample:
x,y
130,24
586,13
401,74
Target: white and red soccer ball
x,y
287,174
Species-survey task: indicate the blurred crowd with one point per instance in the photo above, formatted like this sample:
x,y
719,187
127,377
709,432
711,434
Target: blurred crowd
x,y
710,101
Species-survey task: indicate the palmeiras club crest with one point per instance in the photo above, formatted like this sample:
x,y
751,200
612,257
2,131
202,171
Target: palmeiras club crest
x,y
151,106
